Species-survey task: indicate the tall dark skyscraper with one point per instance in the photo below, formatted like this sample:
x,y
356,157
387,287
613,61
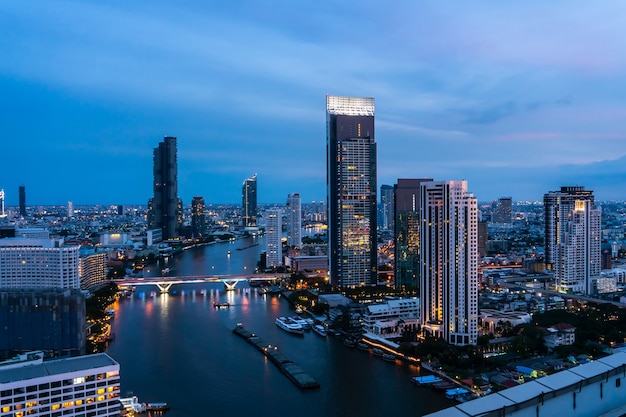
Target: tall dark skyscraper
x,y
198,223
166,210
386,204
407,232
503,212
351,190
22,191
248,202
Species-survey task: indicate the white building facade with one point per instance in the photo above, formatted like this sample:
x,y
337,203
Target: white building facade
x,y
449,262
273,236
79,386
391,318
38,263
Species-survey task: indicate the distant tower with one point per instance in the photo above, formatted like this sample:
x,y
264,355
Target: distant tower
x,y
120,210
351,191
248,202
70,209
386,203
449,262
294,220
197,217
407,232
2,201
22,194
165,203
273,236
503,212
573,238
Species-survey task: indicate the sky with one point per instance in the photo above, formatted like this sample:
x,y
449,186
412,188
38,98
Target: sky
x,y
518,98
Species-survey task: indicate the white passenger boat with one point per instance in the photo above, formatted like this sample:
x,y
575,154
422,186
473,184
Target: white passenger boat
x,y
319,329
302,322
289,326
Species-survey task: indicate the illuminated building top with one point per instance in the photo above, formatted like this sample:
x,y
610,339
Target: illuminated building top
x,y
350,106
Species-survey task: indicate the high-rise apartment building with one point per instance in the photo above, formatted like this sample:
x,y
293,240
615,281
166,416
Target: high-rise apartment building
x,y
407,232
47,319
70,209
198,222
503,212
92,270
165,205
38,263
386,205
248,202
449,262
81,386
22,196
351,190
273,237
573,238
294,220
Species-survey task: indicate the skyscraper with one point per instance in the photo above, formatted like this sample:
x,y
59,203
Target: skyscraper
x,y
407,232
165,203
22,195
573,238
70,209
198,223
248,202
449,262
294,220
386,203
351,190
503,212
273,237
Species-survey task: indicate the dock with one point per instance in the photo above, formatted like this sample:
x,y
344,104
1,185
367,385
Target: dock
x,y
300,378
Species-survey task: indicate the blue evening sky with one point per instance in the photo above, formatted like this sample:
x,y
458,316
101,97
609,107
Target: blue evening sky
x,y
518,98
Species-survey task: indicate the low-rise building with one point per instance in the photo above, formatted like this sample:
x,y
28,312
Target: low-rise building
x,y
80,386
391,318
561,334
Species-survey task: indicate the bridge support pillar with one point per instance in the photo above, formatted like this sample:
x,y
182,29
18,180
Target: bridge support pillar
x,y
164,287
230,285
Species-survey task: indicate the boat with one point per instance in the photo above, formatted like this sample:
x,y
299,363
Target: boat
x,y
289,326
110,312
362,346
389,357
220,305
443,385
319,329
426,380
349,342
378,351
133,405
157,407
306,325
456,393
165,271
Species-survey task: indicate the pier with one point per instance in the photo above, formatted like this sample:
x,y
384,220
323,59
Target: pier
x,y
300,378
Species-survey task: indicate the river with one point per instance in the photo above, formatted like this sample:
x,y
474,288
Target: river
x,y
179,349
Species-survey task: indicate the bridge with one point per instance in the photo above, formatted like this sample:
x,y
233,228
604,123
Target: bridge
x,y
165,283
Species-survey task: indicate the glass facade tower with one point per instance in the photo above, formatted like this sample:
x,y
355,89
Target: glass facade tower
x,y
351,190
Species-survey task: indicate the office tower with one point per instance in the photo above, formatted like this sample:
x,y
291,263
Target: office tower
x,y
294,220
33,387
92,270
449,264
120,210
483,238
386,204
165,203
407,232
22,192
503,212
198,223
572,238
351,190
2,203
38,263
47,319
248,202
70,209
273,237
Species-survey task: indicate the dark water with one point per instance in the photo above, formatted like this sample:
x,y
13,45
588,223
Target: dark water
x,y
179,349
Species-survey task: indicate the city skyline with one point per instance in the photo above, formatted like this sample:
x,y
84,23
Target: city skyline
x,y
517,99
